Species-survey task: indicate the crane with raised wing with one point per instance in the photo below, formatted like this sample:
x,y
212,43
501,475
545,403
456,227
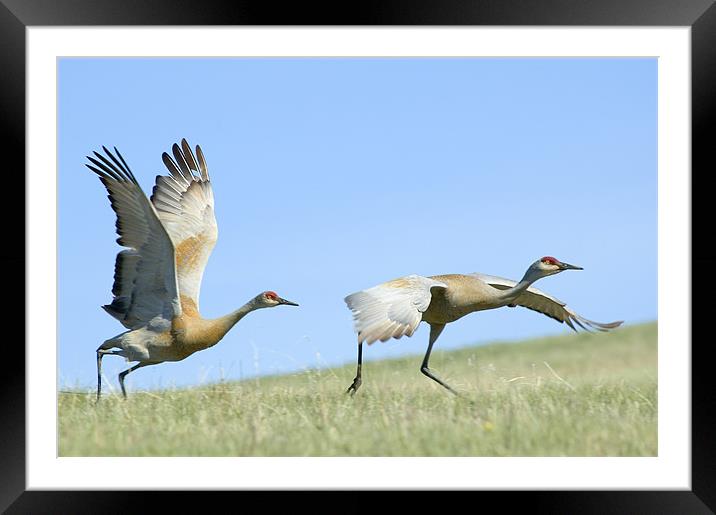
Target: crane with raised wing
x,y
157,278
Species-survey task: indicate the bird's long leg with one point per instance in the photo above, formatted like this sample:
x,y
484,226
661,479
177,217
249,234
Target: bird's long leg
x,y
357,380
123,374
435,330
100,353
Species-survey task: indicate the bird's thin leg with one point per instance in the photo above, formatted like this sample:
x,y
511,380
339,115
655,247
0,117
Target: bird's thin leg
x,y
435,331
123,374
357,380
100,353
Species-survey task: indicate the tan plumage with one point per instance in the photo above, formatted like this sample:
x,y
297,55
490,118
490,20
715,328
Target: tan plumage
x,y
395,308
157,279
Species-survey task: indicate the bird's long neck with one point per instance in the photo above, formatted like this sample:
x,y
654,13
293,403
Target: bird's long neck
x,y
226,322
511,294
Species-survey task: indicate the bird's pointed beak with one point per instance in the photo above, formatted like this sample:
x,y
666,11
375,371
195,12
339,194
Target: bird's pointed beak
x,y
287,302
567,266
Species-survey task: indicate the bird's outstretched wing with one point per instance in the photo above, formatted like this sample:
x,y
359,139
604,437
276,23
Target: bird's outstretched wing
x,y
184,201
538,300
145,285
392,309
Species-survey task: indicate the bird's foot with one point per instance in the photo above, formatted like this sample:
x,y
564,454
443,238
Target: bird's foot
x,y
353,388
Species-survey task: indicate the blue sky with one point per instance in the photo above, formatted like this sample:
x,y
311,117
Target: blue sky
x,y
332,175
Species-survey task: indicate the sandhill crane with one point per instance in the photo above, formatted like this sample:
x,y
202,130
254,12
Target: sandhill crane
x,y
395,308
158,277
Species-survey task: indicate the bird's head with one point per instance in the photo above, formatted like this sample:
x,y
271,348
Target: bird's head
x,y
270,299
546,266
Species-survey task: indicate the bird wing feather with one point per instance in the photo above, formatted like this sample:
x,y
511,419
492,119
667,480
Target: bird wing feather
x,y
539,301
145,283
184,201
391,310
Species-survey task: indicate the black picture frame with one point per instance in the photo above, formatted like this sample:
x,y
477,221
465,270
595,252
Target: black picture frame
x,y
16,15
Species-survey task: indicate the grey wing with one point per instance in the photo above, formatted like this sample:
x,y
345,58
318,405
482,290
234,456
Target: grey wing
x,y
184,201
539,301
392,309
145,284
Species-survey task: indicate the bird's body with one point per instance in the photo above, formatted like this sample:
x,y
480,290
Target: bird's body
x,y
395,308
157,278
174,340
464,294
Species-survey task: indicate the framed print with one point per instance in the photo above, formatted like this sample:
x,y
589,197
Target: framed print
x,y
355,124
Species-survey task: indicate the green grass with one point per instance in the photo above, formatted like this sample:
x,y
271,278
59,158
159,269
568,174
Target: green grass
x,y
573,395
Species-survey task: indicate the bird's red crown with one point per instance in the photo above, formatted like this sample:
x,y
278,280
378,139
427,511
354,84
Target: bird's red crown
x,y
549,260
271,295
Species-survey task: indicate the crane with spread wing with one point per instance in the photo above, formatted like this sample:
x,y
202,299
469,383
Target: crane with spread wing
x,y
157,278
395,308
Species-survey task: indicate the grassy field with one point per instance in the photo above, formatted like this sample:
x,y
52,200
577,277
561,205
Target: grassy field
x,y
573,395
